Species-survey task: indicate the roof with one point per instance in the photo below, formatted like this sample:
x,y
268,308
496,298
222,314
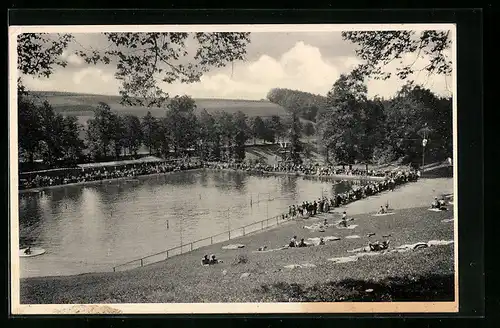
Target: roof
x,y
148,159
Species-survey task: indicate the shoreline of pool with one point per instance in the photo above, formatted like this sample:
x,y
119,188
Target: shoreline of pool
x,y
269,173
333,211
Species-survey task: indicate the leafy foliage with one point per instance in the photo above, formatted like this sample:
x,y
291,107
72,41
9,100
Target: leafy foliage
x,y
143,60
355,129
307,104
379,48
44,134
180,124
39,53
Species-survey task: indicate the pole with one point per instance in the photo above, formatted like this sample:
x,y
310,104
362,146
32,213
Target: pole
x,y
423,158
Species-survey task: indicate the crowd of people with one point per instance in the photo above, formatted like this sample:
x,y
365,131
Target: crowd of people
x,y
324,204
307,169
77,175
99,173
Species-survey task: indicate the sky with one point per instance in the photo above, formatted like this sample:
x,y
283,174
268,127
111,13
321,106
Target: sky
x,y
310,62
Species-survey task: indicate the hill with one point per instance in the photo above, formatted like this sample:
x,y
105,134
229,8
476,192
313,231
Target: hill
x,y
82,105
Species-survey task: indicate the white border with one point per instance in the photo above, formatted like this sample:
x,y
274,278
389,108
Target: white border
x,y
220,308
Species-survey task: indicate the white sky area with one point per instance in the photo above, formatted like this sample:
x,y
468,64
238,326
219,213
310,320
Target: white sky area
x,y
310,62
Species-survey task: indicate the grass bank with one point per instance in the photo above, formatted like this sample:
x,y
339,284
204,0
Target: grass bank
x,y
249,276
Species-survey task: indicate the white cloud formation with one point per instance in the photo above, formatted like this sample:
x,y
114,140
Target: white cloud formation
x,y
91,75
75,60
72,58
302,67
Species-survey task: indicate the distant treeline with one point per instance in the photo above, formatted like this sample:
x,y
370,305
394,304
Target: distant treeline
x,y
53,138
349,128
352,128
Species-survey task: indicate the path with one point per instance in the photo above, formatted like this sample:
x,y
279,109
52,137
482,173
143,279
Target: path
x,y
413,194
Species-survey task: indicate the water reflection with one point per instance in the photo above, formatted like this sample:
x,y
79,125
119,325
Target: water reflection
x,y
93,227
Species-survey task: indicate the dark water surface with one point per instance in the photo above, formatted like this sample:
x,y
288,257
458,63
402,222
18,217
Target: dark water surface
x,y
91,228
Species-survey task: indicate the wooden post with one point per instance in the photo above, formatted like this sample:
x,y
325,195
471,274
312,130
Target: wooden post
x,y
167,254
141,263
191,244
211,240
229,234
262,225
243,231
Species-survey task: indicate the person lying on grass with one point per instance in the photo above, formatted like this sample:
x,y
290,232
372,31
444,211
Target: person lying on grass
x,y
302,243
381,210
213,260
377,246
438,204
205,260
372,247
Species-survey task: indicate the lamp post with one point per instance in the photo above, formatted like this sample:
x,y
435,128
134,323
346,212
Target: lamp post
x,y
424,143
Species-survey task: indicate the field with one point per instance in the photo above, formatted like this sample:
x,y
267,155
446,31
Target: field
x,y
249,276
82,105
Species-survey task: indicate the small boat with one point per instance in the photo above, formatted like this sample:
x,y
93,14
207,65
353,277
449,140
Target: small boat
x,y
35,251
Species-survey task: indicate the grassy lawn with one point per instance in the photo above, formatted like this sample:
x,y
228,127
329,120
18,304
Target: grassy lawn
x,y
249,276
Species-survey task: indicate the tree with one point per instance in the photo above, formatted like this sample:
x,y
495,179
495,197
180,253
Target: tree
x,y
226,129
181,123
373,130
150,125
378,48
52,126
258,128
409,113
276,127
307,104
72,144
141,59
118,131
295,144
133,133
241,136
100,131
30,131
269,133
340,126
209,138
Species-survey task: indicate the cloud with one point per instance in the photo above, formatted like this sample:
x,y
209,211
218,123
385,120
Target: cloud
x,y
91,75
301,66
75,60
85,80
72,58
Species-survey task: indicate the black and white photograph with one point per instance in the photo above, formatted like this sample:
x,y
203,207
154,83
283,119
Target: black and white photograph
x,y
233,169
